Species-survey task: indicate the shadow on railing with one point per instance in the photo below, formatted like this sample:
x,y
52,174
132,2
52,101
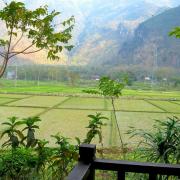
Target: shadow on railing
x,y
85,169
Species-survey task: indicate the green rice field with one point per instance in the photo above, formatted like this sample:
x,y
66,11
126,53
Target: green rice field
x,y
68,115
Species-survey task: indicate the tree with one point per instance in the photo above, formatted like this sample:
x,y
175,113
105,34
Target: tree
x,y
73,77
112,89
175,32
36,26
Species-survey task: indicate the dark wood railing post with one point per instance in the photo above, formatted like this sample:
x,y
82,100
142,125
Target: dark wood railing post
x,y
121,175
87,164
87,156
152,176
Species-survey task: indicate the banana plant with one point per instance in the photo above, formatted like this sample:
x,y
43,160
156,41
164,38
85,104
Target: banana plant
x,y
14,135
31,126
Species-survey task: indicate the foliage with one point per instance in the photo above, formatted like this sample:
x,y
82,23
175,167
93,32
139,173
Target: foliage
x,y
12,132
17,164
175,81
175,32
73,78
43,155
35,25
41,75
26,156
113,89
63,157
108,88
162,145
95,127
30,127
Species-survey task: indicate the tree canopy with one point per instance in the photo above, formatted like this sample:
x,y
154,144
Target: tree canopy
x,y
38,27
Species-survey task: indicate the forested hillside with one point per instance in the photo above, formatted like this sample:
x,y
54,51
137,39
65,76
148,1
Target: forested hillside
x,y
151,44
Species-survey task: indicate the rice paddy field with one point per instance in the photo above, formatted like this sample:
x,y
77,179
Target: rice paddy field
x,y
68,114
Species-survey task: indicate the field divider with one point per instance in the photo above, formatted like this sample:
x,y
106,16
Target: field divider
x,y
53,107
111,130
83,109
15,99
155,105
105,104
59,108
174,102
6,103
19,106
9,98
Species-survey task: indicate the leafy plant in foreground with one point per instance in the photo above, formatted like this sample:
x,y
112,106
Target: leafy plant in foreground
x,y
163,144
43,155
17,164
95,128
29,158
31,141
12,132
63,157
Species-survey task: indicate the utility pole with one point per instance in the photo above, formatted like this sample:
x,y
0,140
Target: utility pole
x,y
155,65
16,69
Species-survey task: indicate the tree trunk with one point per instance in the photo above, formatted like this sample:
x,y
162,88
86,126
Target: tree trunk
x,y
119,132
3,67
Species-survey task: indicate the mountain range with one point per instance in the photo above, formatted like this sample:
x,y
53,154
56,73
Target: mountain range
x,y
117,31
108,26
151,44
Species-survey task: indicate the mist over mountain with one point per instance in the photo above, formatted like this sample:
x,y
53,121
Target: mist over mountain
x,y
103,28
107,27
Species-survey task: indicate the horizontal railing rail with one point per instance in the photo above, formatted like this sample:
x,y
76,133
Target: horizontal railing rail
x,y
85,169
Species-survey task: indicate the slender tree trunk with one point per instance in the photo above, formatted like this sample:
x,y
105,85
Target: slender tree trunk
x,y
6,58
119,132
16,75
3,67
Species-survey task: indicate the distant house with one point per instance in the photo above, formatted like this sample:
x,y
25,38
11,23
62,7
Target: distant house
x,y
147,78
95,77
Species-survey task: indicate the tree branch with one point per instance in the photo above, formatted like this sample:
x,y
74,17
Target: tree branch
x,y
2,54
21,52
18,41
30,52
10,40
6,57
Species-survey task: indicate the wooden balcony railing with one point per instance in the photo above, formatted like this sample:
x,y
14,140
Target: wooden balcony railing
x,y
85,168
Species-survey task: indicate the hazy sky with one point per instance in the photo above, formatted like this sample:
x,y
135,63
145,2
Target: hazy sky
x,y
77,2
53,2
